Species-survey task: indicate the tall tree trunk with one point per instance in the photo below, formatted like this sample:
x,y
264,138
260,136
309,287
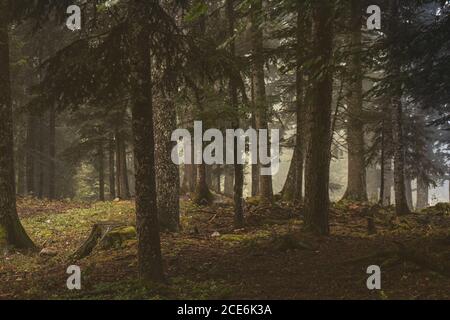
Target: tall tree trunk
x,y
149,247
288,190
229,181
218,177
112,174
408,192
422,193
388,178
202,194
356,185
52,154
319,150
386,158
42,160
262,116
254,167
123,190
238,168
299,142
167,174
21,174
30,152
401,204
101,172
12,232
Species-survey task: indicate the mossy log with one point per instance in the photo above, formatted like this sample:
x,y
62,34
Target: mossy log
x,y
106,235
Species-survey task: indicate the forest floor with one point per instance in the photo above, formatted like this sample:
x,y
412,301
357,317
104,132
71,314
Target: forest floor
x,y
271,258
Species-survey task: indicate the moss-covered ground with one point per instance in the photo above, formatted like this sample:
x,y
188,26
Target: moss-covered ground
x,y
272,257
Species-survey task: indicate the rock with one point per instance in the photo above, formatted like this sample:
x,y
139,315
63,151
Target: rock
x,y
116,200
215,234
49,252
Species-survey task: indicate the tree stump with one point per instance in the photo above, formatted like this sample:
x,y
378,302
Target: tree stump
x,y
106,235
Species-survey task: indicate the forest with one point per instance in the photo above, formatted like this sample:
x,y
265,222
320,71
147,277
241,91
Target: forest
x,y
224,149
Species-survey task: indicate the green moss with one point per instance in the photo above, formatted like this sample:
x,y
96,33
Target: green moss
x,y
441,208
245,239
3,236
118,237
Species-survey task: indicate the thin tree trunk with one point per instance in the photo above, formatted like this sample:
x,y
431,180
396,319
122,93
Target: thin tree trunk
x,y
382,162
356,185
202,194
218,177
387,177
52,154
238,168
262,116
112,175
401,204
123,191
12,232
229,181
42,160
408,192
255,169
101,172
319,150
149,247
125,187
288,190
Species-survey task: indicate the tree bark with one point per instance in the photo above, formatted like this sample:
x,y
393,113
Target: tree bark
x,y
229,181
112,174
30,151
422,193
123,190
12,232
288,190
388,179
299,141
149,247
238,168
21,173
401,204
52,154
167,174
319,150
101,172
42,160
262,116
356,182
408,192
